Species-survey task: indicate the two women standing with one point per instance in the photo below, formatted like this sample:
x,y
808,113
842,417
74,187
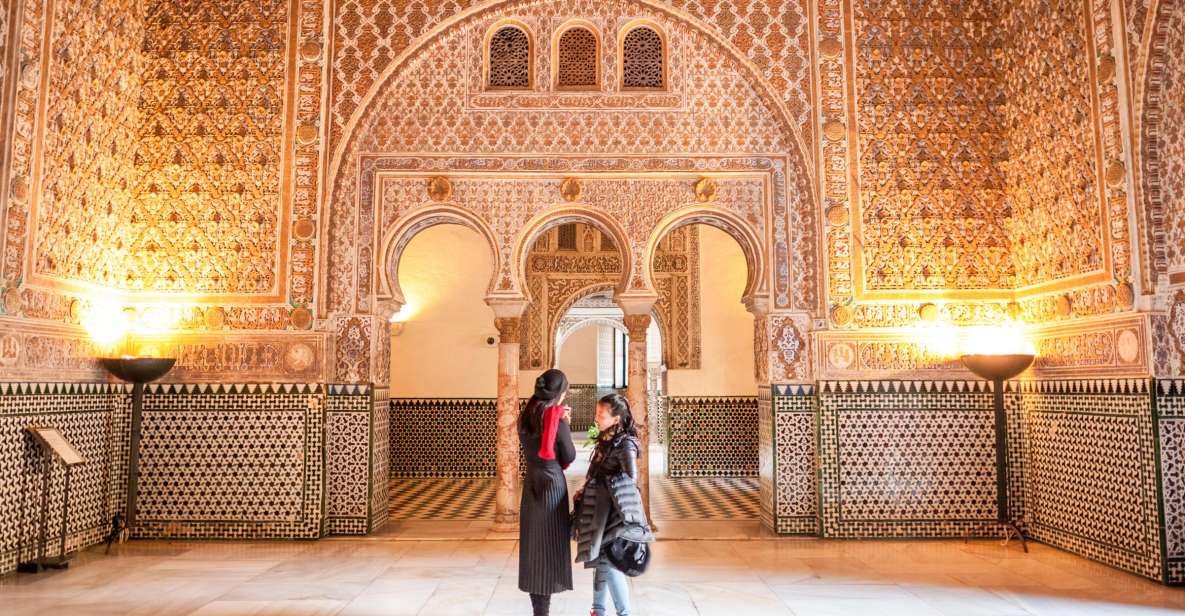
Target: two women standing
x,y
611,522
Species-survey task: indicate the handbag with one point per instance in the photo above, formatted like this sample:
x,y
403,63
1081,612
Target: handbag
x,y
629,557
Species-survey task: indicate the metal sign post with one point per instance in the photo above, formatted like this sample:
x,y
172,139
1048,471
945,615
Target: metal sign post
x,y
52,445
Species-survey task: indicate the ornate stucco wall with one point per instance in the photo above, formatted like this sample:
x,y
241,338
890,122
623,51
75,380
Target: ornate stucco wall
x,y
248,159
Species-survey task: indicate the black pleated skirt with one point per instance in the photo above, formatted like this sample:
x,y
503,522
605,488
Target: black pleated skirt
x,y
545,551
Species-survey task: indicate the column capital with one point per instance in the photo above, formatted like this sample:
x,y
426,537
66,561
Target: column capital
x,y
637,304
636,325
508,328
757,305
388,308
505,307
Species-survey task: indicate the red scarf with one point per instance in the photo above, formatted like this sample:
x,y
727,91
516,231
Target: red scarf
x,y
551,425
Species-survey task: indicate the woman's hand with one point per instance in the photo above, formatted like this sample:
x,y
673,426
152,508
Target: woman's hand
x,y
567,416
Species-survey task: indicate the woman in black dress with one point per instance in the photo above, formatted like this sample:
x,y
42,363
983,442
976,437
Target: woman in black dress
x,y
545,556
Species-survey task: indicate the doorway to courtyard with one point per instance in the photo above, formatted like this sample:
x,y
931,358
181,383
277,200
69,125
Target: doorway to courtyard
x,y
701,387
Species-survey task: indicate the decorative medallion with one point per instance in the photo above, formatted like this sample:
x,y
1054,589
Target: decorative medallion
x,y
12,300
837,215
1116,172
841,315
215,317
928,312
834,130
299,357
440,188
1106,68
841,356
75,310
1125,295
1128,346
10,349
306,133
20,188
303,229
570,189
1063,305
830,47
310,51
705,190
301,318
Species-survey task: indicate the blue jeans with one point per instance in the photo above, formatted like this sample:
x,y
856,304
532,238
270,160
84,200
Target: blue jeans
x,y
608,580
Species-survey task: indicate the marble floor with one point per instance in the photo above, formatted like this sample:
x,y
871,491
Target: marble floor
x,y
703,577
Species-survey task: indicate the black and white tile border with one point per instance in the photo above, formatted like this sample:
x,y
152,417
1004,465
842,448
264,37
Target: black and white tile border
x,y
712,436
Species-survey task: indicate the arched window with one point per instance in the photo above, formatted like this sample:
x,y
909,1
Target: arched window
x,y
577,54
509,59
642,59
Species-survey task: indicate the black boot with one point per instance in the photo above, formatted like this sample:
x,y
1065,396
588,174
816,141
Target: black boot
x,y
540,604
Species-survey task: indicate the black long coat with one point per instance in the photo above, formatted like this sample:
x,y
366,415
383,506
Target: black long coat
x,y
545,555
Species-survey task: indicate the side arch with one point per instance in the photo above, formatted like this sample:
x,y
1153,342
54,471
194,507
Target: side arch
x,y
397,239
750,242
554,217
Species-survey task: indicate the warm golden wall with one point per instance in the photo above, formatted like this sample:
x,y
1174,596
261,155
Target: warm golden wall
x,y
962,153
212,152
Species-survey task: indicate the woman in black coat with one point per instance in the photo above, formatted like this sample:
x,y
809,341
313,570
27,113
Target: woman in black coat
x,y
545,556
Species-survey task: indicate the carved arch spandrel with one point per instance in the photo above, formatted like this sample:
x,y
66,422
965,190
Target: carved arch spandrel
x,y
346,221
396,240
548,219
748,238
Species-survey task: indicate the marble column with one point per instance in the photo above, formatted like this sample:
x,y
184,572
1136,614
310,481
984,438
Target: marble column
x,y
636,325
508,319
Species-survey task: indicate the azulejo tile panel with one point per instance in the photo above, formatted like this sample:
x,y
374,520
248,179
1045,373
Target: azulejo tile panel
x,y
906,458
1170,407
84,413
794,429
348,413
443,437
1090,479
712,436
233,461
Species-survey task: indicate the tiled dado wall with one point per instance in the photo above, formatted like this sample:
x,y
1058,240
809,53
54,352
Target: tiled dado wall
x,y
89,416
443,437
217,461
712,436
917,459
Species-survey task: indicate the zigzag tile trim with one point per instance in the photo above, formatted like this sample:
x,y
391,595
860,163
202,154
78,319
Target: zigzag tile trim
x,y
1122,387
343,389
234,388
794,389
904,387
51,389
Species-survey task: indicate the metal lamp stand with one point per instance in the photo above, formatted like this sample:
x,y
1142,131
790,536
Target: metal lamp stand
x,y
998,369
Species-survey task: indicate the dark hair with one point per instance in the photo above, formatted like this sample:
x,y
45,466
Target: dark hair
x,y
619,406
549,387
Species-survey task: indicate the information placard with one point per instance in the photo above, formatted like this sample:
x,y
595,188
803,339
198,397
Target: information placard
x,y
53,441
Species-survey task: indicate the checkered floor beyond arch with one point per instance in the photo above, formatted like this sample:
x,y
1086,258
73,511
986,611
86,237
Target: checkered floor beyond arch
x,y
690,499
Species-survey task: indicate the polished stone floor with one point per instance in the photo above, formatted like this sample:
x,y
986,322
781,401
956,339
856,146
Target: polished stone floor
x,y
466,577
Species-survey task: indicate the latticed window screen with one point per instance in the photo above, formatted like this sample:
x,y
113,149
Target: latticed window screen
x,y
568,236
641,61
510,59
577,59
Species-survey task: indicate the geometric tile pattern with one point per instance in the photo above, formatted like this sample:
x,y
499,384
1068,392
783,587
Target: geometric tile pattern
x,y
717,498
712,436
907,458
380,456
348,450
795,465
84,414
442,437
1170,410
232,461
1091,471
